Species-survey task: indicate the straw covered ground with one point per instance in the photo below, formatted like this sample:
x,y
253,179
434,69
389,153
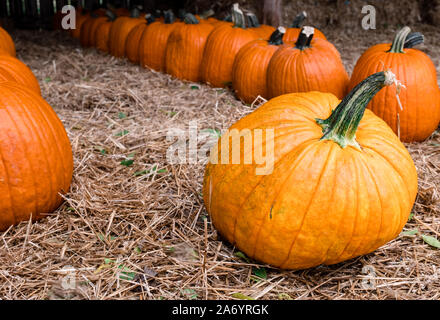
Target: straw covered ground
x,y
134,227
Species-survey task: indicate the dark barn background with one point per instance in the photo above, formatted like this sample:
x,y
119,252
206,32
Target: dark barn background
x,y
35,14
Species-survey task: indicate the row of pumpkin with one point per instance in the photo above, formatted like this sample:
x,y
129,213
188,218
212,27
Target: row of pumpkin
x,y
36,162
260,60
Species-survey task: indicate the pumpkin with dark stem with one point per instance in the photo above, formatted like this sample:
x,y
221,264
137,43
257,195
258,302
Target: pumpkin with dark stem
x,y
418,114
36,158
330,190
293,32
7,45
134,39
153,43
250,67
221,48
185,48
309,65
12,69
263,30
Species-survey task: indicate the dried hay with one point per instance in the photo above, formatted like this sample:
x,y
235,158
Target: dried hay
x,y
147,236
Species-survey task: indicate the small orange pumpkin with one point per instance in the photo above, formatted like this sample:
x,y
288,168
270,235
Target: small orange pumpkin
x,y
326,191
420,99
12,69
250,66
36,164
185,47
311,65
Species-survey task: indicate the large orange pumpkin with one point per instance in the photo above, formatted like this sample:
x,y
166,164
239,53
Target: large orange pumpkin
x,y
134,39
420,99
309,65
329,191
6,43
293,32
153,43
221,48
36,158
12,69
249,72
185,48
119,31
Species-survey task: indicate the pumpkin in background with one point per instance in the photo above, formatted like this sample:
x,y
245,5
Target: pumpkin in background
x,y
102,33
12,69
153,44
119,31
250,67
81,17
7,45
221,48
420,99
185,47
263,30
293,32
88,29
331,190
134,39
36,164
309,65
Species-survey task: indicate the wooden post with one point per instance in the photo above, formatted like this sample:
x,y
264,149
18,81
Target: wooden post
x,y
272,12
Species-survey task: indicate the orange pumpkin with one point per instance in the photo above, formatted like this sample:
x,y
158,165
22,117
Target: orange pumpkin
x,y
6,43
221,48
88,28
250,67
153,44
12,69
185,47
330,190
119,31
36,164
420,99
102,33
293,32
311,65
263,30
134,39
81,17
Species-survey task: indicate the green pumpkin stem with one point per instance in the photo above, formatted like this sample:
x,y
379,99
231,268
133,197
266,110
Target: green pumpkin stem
x,y
238,17
252,20
135,13
276,37
305,38
149,18
190,19
299,19
169,17
399,40
343,123
110,15
414,39
206,14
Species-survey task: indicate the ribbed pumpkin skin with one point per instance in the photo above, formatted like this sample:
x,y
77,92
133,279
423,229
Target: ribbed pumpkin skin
x,y
84,35
318,68
322,204
221,48
102,36
80,19
250,70
91,32
7,45
12,69
420,99
292,34
36,157
133,42
153,45
264,31
119,31
185,47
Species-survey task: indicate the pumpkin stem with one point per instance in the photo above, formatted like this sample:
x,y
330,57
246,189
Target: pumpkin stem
x,y
305,38
399,40
181,13
342,124
149,17
190,19
238,17
252,20
135,13
169,17
299,19
157,13
110,15
414,39
207,14
276,37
